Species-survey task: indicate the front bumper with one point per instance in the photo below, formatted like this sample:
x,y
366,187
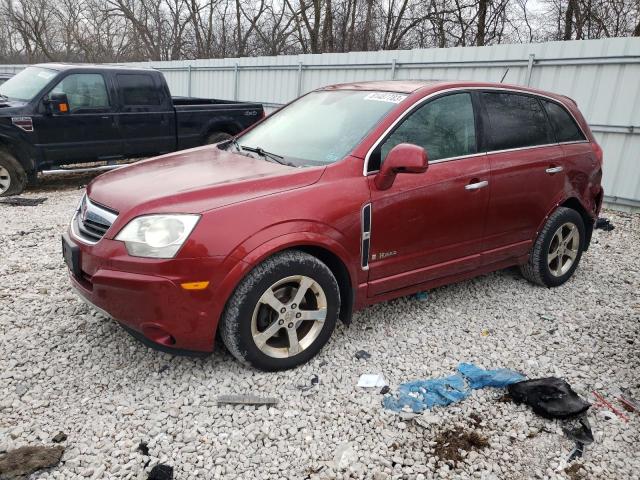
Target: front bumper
x,y
146,297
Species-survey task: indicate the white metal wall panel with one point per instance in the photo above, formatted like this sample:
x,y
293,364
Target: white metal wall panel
x,y
603,76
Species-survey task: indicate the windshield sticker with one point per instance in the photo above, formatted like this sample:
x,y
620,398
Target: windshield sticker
x,y
331,157
386,97
46,75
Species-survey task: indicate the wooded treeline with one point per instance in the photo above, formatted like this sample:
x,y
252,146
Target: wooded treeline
x,y
134,30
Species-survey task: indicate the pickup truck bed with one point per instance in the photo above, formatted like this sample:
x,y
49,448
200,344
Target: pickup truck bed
x,y
61,114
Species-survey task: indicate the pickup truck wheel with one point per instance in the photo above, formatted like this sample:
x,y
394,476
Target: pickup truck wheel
x,y
218,137
557,251
282,313
13,178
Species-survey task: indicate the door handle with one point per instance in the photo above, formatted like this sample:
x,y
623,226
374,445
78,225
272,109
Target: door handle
x,y
552,170
477,185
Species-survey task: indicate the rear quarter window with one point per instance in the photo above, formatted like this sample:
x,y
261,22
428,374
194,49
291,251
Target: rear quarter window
x,y
516,121
563,124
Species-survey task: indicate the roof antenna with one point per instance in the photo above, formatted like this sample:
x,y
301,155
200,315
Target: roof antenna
x,y
505,74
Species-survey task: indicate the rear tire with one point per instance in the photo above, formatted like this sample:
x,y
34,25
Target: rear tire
x,y
556,253
218,137
13,178
282,313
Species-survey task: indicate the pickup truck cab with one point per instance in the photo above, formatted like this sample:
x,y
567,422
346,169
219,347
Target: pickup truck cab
x,y
351,195
60,114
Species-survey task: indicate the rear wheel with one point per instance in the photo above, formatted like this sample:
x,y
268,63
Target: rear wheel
x,y
13,178
218,137
282,313
557,251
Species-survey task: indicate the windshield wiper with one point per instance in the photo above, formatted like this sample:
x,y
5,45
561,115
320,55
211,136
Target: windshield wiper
x,y
263,153
4,97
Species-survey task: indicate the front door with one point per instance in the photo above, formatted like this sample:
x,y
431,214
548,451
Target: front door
x,y
88,131
430,225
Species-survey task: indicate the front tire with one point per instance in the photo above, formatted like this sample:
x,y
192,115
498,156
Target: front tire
x,y
13,178
282,313
556,253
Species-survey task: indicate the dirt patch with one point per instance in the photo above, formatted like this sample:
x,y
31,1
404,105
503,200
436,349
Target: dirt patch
x,y
450,443
506,398
573,471
476,419
25,460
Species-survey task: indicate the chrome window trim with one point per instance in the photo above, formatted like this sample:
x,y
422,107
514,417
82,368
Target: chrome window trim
x,y
422,100
106,214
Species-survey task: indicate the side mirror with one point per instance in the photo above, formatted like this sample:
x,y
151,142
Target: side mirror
x,y
58,102
403,158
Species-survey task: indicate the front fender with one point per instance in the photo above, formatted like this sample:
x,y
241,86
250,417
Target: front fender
x,y
244,259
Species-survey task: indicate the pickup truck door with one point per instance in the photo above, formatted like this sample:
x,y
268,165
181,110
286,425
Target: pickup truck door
x,y
146,114
88,131
430,225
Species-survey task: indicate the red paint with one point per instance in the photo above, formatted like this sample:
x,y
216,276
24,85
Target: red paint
x,y
429,228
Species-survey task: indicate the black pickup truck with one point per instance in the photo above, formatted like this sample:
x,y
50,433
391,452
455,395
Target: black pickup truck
x,y
61,114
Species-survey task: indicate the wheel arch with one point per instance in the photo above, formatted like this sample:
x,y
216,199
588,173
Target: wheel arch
x,y
225,125
574,204
326,249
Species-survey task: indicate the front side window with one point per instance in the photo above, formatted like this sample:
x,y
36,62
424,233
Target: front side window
x,y
85,91
564,126
516,121
321,127
27,84
138,90
444,127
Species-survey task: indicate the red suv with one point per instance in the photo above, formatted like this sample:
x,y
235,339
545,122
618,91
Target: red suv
x,y
351,195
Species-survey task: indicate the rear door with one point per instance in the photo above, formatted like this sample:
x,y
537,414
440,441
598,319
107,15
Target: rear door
x,y
430,225
527,172
89,130
146,114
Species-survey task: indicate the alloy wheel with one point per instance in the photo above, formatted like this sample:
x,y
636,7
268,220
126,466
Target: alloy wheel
x,y
5,180
289,316
563,249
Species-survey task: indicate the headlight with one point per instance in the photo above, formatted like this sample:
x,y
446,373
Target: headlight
x,y
157,236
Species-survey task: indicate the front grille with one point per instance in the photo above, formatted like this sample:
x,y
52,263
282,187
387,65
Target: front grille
x,y
91,221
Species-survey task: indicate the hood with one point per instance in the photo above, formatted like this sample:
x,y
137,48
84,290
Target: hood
x,y
8,107
193,181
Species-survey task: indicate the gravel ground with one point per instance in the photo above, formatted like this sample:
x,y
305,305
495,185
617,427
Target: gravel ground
x,y
65,368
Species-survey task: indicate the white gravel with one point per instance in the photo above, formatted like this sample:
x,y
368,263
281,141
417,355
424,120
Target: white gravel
x,y
65,368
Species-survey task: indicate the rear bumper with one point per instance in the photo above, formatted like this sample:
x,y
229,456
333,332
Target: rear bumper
x,y
145,296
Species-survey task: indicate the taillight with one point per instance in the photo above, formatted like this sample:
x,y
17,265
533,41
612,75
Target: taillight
x,y
597,150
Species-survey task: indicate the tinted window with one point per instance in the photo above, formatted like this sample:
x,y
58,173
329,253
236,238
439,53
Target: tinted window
x,y
563,124
84,91
444,127
138,90
516,121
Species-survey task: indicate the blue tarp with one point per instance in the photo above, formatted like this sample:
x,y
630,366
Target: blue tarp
x,y
420,395
480,378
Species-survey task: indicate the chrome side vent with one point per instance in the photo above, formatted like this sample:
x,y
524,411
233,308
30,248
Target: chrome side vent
x,y
366,235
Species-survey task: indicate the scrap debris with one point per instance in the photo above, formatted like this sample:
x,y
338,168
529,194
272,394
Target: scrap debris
x,y
549,397
143,448
23,202
22,462
371,380
363,355
161,472
315,380
245,399
59,438
602,402
603,223
420,395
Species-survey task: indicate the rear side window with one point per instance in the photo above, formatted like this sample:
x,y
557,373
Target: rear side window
x,y
138,90
444,127
516,121
563,124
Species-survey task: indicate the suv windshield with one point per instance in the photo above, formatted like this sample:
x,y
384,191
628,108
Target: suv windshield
x,y
321,127
26,84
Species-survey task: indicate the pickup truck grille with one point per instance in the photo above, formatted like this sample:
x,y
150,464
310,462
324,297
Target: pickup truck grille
x,y
91,221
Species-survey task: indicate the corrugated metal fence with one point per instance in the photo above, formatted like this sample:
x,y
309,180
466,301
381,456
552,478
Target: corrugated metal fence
x,y
603,76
